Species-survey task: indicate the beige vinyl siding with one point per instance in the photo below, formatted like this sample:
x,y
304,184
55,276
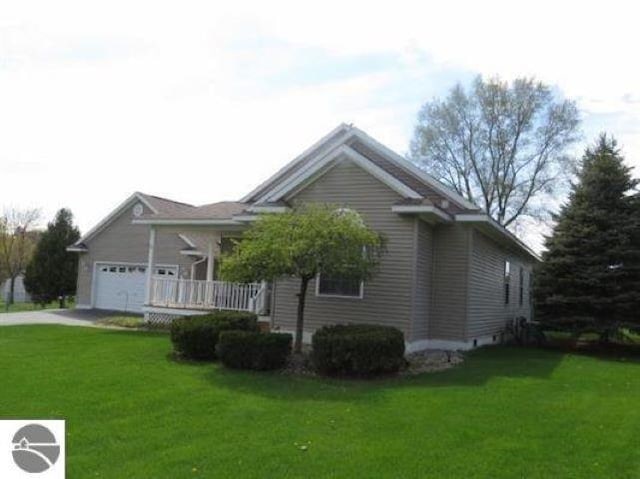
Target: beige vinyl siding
x,y
122,241
488,312
450,278
387,297
423,272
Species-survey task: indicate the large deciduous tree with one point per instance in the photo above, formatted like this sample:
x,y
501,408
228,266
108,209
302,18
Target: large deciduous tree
x,y
590,277
302,243
17,243
499,145
52,271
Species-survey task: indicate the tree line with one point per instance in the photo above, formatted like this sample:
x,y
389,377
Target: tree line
x,y
40,256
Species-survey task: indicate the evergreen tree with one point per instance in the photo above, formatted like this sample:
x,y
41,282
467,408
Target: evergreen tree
x,y
52,272
590,276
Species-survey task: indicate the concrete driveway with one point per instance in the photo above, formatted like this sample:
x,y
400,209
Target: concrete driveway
x,y
68,317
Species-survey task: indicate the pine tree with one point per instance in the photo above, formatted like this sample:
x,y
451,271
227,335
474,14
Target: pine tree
x,y
52,272
590,276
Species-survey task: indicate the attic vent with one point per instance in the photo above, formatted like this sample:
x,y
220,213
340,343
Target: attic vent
x,y
444,204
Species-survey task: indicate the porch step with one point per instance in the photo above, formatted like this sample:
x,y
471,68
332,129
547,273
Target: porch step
x,y
264,323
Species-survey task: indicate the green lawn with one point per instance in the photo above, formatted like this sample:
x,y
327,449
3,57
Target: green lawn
x,y
20,307
133,412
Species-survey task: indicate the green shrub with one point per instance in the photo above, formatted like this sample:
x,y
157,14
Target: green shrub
x,y
195,337
358,349
252,350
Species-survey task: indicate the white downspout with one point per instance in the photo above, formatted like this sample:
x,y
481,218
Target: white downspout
x,y
194,264
210,262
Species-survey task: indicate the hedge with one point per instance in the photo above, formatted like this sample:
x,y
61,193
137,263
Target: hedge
x,y
252,350
358,349
195,337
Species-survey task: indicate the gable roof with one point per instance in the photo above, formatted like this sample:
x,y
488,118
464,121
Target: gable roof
x,y
156,204
220,210
420,193
347,139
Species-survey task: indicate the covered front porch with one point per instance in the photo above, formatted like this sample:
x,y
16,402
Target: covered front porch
x,y
198,288
180,293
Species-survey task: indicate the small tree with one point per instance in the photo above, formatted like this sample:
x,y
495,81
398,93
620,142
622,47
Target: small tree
x,y
590,277
52,272
17,242
302,243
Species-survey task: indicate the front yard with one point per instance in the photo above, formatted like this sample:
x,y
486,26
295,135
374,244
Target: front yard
x,y
134,412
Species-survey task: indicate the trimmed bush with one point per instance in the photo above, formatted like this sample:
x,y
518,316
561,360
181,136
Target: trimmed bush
x,y
252,350
195,337
358,349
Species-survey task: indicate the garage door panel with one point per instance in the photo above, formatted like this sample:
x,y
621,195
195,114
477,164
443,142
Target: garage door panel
x,y
121,287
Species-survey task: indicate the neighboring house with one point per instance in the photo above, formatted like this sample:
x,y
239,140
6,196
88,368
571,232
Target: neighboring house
x,y
20,294
451,277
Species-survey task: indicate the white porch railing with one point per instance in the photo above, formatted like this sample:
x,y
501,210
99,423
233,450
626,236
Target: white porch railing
x,y
197,294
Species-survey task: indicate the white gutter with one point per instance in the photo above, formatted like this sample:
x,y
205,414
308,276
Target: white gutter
x,y
189,222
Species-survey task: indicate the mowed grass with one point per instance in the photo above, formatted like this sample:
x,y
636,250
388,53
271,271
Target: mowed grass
x,y
133,412
29,306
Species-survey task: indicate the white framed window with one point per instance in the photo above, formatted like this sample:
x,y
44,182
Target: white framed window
x,y
327,286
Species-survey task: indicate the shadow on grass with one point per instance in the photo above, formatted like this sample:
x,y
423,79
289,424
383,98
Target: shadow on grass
x,y
479,367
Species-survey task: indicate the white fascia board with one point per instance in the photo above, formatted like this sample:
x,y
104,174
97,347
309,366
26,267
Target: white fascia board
x,y
411,168
421,209
192,253
486,219
115,213
305,153
313,167
246,218
392,182
268,209
186,239
185,222
76,249
357,158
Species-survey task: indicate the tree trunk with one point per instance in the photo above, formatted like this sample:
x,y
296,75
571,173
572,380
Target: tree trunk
x,y
302,294
12,289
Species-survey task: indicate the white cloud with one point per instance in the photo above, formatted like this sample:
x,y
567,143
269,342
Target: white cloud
x,y
201,100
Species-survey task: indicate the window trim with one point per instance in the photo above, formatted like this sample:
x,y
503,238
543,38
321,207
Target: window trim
x,y
340,296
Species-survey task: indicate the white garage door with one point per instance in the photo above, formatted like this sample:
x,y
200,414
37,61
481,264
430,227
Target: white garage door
x,y
121,287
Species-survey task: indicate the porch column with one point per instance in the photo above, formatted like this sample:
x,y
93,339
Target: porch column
x,y
210,260
151,264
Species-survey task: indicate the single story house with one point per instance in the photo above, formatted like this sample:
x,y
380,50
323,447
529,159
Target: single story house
x,y
451,277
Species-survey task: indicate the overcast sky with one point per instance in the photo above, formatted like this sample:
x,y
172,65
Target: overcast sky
x,y
199,101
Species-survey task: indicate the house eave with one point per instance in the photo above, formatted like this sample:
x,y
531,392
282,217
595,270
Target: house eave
x,y
77,249
491,227
186,222
429,213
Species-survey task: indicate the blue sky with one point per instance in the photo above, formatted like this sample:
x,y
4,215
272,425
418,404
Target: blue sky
x,y
200,101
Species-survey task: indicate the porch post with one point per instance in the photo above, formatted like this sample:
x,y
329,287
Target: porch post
x,y
210,261
151,264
